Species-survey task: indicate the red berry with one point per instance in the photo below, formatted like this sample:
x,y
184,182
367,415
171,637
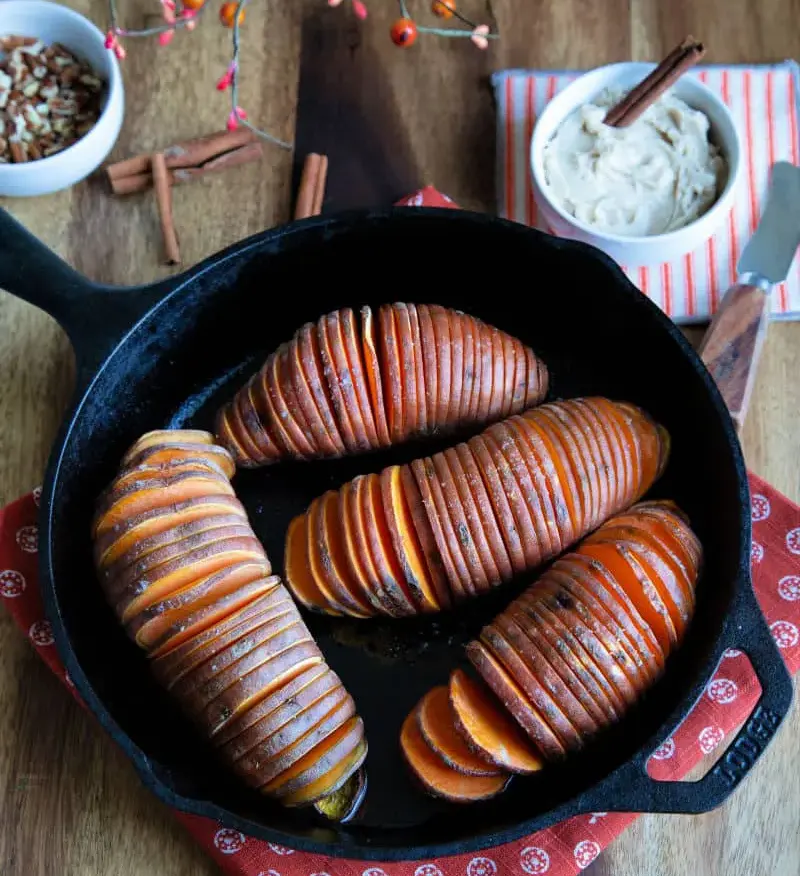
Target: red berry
x,y
404,32
227,14
443,8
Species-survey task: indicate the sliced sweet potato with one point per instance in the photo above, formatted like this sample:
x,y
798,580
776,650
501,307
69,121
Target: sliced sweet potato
x,y
424,425
392,371
408,363
341,381
227,438
455,478
406,543
460,393
110,546
314,552
602,690
487,728
274,712
141,476
172,665
437,778
336,793
312,370
297,567
500,504
252,419
362,524
173,451
332,553
430,369
309,415
169,577
439,519
471,391
324,768
537,379
598,465
484,510
597,707
533,664
245,422
443,401
394,589
253,687
676,531
267,714
509,373
483,348
520,395
499,399
372,371
426,537
437,725
355,359
514,699
213,596
356,549
296,422
272,773
197,437
532,688
295,738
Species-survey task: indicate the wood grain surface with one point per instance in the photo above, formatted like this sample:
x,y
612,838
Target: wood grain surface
x,y
69,802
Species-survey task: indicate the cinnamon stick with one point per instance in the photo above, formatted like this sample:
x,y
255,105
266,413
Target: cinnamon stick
x,y
141,182
308,194
164,198
188,154
319,191
647,92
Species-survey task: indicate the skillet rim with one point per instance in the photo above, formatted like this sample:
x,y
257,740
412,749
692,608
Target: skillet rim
x,y
343,846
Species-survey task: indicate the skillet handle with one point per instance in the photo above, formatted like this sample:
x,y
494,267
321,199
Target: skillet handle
x,y
751,634
95,317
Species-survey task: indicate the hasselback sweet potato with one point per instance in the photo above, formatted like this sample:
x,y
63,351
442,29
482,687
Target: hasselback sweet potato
x,y
348,383
570,655
181,567
422,537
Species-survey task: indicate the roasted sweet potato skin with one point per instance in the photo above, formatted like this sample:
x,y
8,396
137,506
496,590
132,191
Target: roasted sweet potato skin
x,y
344,385
454,525
178,561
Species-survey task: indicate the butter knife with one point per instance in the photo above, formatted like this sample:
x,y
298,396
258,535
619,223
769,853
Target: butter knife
x,y
732,345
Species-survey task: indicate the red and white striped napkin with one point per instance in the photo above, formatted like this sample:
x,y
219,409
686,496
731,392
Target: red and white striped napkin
x,y
764,103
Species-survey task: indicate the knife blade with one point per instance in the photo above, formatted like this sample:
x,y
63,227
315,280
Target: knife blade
x,y
732,345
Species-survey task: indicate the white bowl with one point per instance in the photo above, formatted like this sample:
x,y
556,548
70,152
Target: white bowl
x,y
51,23
657,248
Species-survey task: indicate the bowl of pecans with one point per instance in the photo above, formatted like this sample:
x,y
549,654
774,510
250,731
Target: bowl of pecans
x,y
61,98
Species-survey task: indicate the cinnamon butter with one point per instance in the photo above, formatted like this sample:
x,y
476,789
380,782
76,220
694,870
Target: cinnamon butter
x,y
656,175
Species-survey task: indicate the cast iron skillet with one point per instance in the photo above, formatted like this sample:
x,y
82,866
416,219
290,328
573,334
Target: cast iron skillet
x,y
166,355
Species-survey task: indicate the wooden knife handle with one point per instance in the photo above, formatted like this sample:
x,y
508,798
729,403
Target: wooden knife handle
x,y
732,345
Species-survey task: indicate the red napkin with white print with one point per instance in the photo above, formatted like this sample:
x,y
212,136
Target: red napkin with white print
x,y
562,850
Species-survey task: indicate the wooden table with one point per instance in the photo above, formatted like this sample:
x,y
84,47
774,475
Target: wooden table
x,y
69,801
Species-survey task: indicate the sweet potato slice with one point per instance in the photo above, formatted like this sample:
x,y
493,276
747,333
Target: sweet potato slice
x,y
295,738
533,664
487,728
278,400
362,524
406,543
173,664
459,394
500,504
437,778
169,577
372,371
299,577
392,371
143,474
356,549
245,422
509,375
597,467
408,363
483,348
392,584
296,421
537,379
312,370
531,687
355,359
424,425
215,595
273,773
471,391
428,357
673,526
261,682
583,411
455,566
514,699
175,451
227,438
275,711
486,518
341,380
309,415
455,479
195,437
332,552
437,725
322,784
323,768
426,537
498,400
521,623
110,546
314,551
520,394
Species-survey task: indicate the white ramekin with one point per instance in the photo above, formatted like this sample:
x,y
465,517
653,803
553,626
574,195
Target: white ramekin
x,y
635,250
51,23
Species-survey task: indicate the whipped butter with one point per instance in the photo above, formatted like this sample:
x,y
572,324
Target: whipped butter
x,y
654,176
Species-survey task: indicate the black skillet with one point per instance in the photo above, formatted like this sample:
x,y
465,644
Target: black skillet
x,y
166,355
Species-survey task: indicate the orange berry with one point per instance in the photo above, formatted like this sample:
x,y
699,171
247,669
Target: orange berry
x,y
227,14
193,4
403,32
443,8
